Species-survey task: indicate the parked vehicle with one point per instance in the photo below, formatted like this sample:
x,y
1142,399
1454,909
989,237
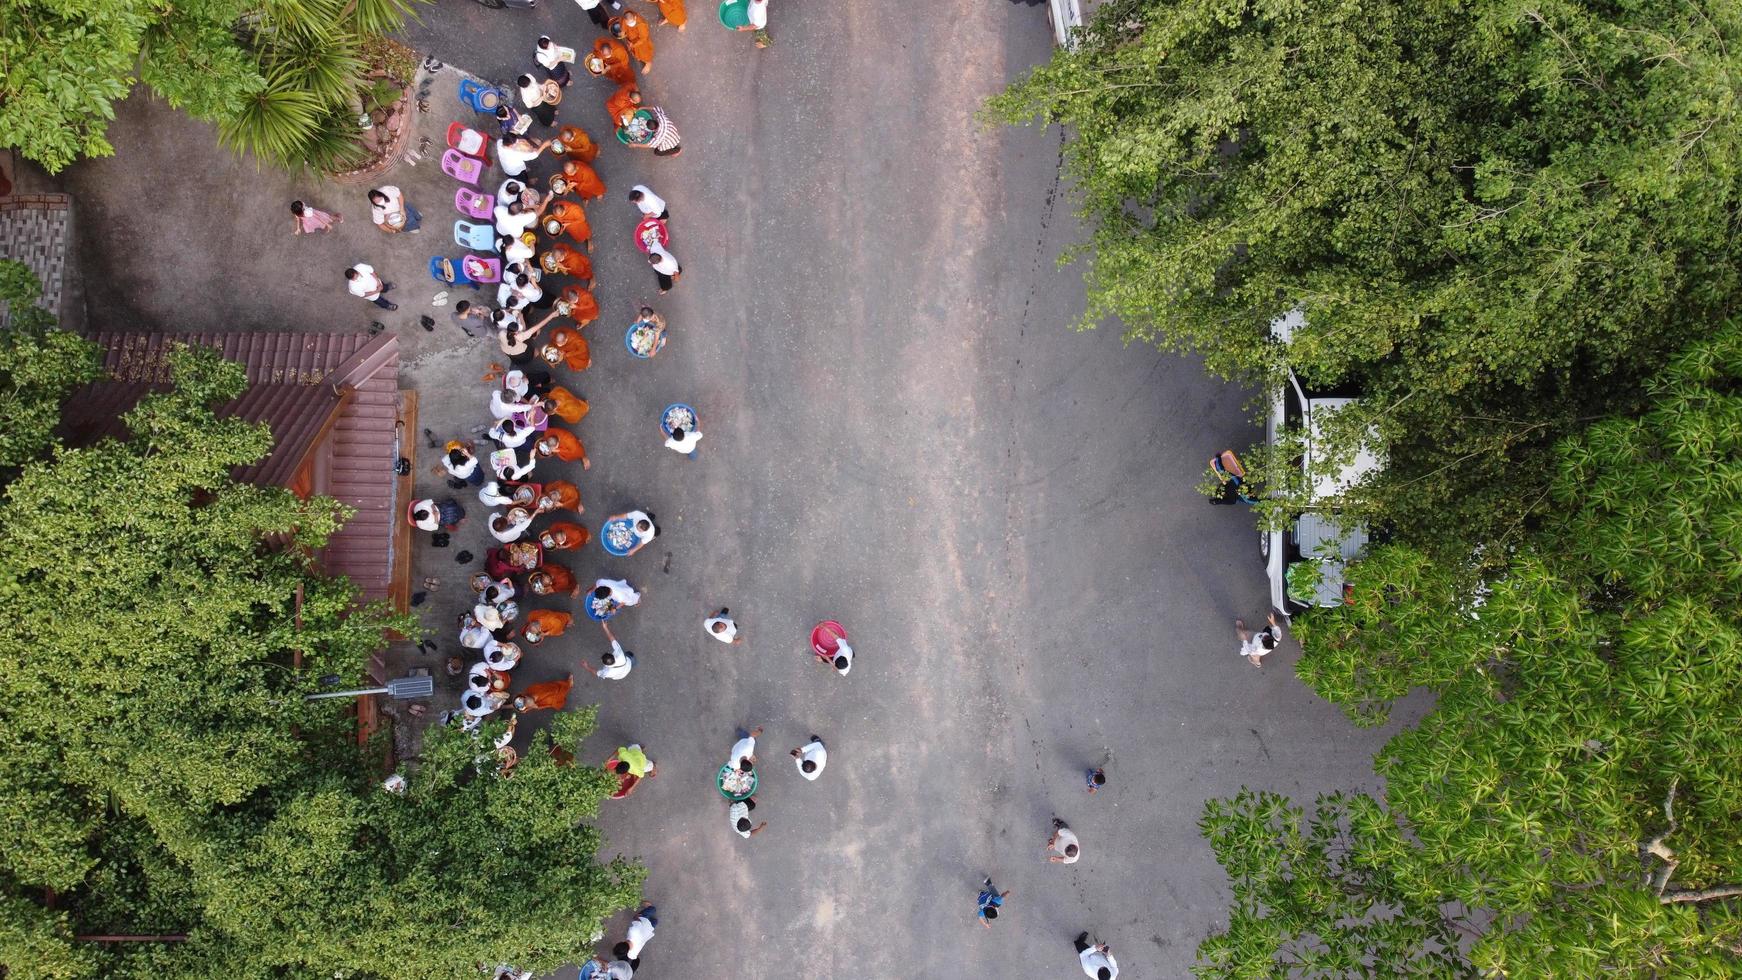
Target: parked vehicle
x,y
1306,561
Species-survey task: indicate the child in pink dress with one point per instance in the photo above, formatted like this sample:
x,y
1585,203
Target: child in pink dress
x,y
310,220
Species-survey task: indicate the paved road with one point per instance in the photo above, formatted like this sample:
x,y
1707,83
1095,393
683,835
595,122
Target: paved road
x,y
901,434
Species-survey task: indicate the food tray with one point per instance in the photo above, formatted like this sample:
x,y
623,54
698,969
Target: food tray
x,y
738,792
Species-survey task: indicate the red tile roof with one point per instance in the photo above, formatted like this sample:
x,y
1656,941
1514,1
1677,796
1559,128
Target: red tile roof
x,y
331,400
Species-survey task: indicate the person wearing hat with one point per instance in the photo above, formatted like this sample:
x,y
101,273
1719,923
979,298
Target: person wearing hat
x,y
1255,646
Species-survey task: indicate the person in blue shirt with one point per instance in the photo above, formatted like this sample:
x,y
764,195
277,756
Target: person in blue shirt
x,y
990,901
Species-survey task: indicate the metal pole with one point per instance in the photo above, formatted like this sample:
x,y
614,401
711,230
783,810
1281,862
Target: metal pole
x,y
345,694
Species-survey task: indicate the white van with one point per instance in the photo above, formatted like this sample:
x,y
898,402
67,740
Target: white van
x,y
1316,539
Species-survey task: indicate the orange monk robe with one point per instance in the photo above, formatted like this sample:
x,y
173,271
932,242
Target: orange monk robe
x,y
622,103
564,536
583,180
632,29
561,443
672,14
577,144
613,60
583,307
563,404
551,579
570,219
566,495
574,355
550,694
542,624
560,260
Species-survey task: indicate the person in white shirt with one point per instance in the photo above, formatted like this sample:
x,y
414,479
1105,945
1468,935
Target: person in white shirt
x,y
1254,646
514,218
555,59
514,249
1097,960
842,661
387,208
811,758
540,98
599,11
511,190
649,202
510,435
364,283
472,635
642,526
622,592
756,19
640,931
506,404
492,496
616,663
665,267
502,656
508,528
1063,846
722,627
514,154
739,814
683,441
743,755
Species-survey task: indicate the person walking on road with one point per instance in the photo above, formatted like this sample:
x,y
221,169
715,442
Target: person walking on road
x,y
722,627
631,28
599,11
610,59
621,591
665,268
640,931
685,440
672,14
555,58
990,901
309,219
1063,846
540,98
366,284
756,20
1096,778
615,663
811,758
649,203
1097,959
667,141
1255,646
739,814
841,659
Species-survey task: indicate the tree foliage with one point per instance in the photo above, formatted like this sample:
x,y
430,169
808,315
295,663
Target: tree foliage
x,y
162,773
1499,217
39,365
1573,800
280,78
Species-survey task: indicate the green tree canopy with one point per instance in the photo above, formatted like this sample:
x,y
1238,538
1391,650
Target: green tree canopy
x,y
278,77
163,774
1571,806
1498,217
39,364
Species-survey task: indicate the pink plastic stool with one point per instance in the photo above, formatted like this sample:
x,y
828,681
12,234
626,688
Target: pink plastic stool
x,y
481,269
461,167
474,204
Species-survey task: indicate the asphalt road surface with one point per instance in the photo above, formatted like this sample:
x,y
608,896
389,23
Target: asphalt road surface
x,y
902,433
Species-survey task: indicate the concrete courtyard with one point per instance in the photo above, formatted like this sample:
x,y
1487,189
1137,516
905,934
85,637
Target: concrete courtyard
x,y
901,433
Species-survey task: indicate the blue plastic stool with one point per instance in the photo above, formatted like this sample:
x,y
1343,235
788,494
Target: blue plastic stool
x,y
480,97
478,238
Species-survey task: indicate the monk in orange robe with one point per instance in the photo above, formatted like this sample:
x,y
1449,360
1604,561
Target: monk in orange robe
x,y
583,180
577,144
568,348
631,28
543,697
542,624
672,14
621,104
611,60
560,495
561,260
562,444
580,305
563,404
552,579
568,218
564,536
